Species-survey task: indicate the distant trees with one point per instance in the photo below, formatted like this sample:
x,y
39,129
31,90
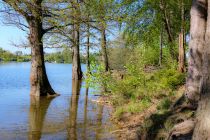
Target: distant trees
x,y
18,56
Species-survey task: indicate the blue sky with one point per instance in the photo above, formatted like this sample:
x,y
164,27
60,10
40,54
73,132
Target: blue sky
x,y
9,34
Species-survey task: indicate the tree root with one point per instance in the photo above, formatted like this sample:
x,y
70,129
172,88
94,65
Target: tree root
x,y
183,129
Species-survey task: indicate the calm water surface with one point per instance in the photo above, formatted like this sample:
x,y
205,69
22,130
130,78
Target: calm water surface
x,y
70,116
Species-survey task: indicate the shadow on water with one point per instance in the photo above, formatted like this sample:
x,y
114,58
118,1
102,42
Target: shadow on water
x,y
37,112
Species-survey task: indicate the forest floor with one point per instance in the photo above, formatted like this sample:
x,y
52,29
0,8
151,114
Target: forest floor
x,y
152,123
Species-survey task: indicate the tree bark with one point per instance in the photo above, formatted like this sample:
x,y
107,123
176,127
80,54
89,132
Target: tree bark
x,y
40,85
181,66
76,66
196,50
104,49
202,126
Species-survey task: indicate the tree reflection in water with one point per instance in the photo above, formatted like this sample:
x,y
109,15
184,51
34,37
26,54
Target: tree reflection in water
x,y
76,86
37,112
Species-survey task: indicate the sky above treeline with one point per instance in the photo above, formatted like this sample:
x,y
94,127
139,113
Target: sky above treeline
x,y
10,35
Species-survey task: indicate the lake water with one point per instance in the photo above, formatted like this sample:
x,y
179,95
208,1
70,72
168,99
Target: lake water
x,y
71,116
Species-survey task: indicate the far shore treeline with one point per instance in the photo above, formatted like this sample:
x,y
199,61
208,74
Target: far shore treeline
x,y
64,56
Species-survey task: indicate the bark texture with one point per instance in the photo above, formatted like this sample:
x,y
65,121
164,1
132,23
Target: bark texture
x,y
40,85
202,128
76,66
196,49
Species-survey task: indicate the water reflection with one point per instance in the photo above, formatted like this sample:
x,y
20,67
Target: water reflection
x,y
73,115
85,114
76,86
99,121
37,112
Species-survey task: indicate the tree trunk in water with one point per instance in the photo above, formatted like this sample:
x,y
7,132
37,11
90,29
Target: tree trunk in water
x,y
181,42
202,127
76,66
104,50
196,47
40,85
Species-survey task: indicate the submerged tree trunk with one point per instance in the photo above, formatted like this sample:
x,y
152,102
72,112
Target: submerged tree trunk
x,y
76,66
40,85
182,42
196,49
104,49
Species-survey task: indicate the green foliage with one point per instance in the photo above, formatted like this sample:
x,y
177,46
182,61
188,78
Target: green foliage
x,y
144,82
7,56
132,107
164,104
97,78
65,56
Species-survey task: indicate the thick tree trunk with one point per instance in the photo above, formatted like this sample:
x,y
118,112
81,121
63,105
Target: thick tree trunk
x,y
202,127
76,66
196,49
182,42
104,49
40,85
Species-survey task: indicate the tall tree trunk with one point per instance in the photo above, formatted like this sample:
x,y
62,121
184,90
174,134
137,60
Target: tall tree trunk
x,y
88,49
76,65
104,49
202,127
182,42
196,49
40,85
161,47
